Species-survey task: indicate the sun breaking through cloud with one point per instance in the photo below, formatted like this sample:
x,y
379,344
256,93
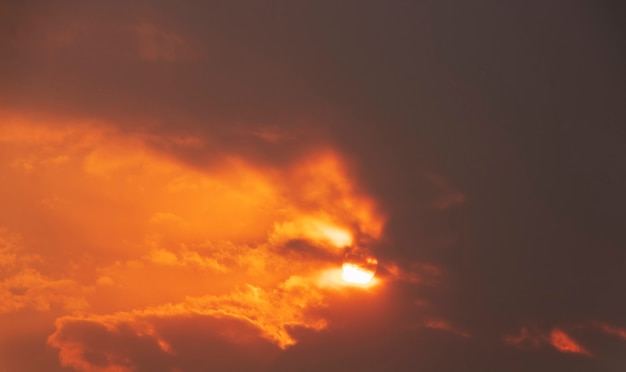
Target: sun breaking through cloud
x,y
236,242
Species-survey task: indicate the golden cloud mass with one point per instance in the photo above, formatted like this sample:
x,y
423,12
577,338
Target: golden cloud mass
x,y
114,235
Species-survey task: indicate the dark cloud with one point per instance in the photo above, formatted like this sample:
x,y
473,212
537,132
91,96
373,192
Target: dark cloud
x,y
187,343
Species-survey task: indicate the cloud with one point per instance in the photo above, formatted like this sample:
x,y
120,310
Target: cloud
x,y
248,320
564,343
610,329
24,286
154,154
249,250
557,338
601,344
185,343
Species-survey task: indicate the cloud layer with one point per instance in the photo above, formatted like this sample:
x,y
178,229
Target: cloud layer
x,y
181,186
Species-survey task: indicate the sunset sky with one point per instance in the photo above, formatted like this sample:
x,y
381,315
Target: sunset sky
x,y
312,186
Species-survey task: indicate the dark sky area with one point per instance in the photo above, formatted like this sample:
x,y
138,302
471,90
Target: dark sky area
x,y
492,135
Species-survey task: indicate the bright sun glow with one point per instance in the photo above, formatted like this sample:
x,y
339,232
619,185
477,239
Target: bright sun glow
x,y
355,274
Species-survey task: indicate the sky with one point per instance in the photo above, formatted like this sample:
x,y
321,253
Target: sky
x,y
312,186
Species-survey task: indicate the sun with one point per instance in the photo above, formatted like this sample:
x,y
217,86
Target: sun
x,y
358,266
354,274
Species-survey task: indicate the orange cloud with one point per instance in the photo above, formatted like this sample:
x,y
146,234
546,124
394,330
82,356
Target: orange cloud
x,y
564,343
24,286
123,237
557,338
251,315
